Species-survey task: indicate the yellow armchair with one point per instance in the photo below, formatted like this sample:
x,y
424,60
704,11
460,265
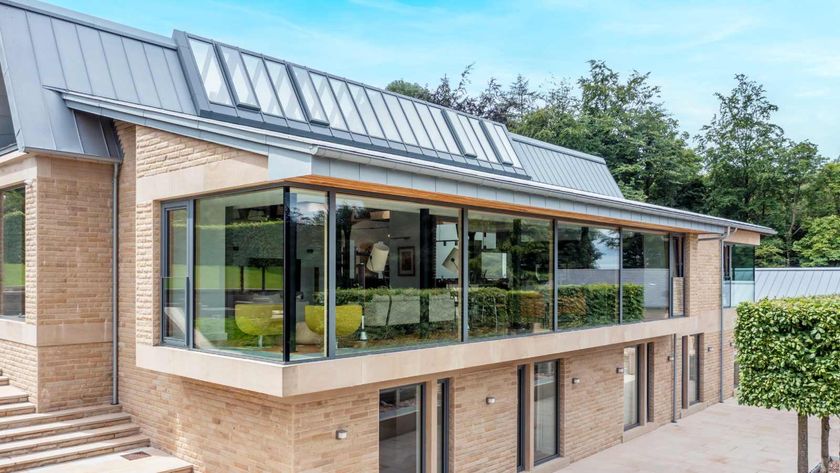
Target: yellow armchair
x,y
259,319
348,319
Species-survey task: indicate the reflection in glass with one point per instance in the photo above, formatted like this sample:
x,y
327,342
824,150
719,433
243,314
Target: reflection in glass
x,y
322,86
13,282
693,362
310,95
545,410
308,221
400,421
678,276
443,425
510,276
587,276
239,77
396,274
210,71
239,273
175,275
743,274
631,386
262,85
285,92
645,273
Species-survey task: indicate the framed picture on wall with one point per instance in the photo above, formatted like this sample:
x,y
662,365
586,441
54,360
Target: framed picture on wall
x,y
405,255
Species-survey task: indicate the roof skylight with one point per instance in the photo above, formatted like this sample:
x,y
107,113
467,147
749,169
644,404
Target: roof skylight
x,y
210,71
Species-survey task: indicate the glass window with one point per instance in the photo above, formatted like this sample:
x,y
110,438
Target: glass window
x,y
521,412
587,276
239,273
400,120
210,71
345,101
322,86
384,115
678,276
12,300
546,401
310,95
416,123
239,77
443,425
464,138
174,274
692,368
308,230
397,274
645,276
743,274
285,91
500,139
473,138
400,429
366,110
631,387
431,128
487,152
446,133
510,275
262,85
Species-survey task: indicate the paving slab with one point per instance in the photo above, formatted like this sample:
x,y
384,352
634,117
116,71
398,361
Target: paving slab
x,y
724,438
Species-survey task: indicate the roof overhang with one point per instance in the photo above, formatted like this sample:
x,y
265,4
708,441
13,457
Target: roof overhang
x,y
262,142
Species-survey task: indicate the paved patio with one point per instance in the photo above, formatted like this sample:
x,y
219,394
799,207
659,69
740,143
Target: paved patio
x,y
725,438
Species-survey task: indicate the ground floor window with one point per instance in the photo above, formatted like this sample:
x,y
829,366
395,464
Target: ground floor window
x,y
12,279
691,366
443,425
546,410
521,399
631,387
401,429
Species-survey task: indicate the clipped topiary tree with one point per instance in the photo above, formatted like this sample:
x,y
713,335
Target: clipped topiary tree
x,y
789,358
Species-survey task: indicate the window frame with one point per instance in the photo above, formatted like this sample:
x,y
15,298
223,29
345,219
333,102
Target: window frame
x,y
444,385
21,188
557,413
421,408
697,339
638,383
166,208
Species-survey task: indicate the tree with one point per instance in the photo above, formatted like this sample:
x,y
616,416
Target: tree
x,y
821,245
411,89
788,359
824,191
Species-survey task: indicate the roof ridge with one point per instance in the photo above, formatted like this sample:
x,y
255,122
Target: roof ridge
x,y
91,21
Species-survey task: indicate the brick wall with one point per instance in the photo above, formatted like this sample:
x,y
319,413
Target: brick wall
x,y
484,437
593,415
74,375
663,380
20,363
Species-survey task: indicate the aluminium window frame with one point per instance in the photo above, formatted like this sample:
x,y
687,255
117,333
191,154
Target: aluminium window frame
x,y
421,428
331,351
189,290
638,383
558,425
237,100
445,387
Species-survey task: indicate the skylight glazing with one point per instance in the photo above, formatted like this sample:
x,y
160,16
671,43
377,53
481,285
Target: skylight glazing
x,y
400,120
262,85
362,102
416,124
499,137
384,115
285,91
482,139
334,116
239,77
310,96
210,71
345,101
446,133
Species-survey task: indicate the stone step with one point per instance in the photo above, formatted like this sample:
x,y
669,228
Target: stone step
x,y
27,419
62,426
12,395
143,460
18,408
68,439
75,452
4,380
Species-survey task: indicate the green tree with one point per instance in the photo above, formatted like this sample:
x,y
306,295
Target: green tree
x,y
824,191
821,244
411,89
788,359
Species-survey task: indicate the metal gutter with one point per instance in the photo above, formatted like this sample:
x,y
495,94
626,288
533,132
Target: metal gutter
x,y
258,140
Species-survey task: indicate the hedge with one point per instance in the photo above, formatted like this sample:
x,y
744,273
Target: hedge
x,y
789,354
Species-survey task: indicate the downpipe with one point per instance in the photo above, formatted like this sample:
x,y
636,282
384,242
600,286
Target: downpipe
x,y
115,396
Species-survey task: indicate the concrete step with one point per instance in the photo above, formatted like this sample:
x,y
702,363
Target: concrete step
x,y
30,419
75,452
62,426
146,460
12,395
18,408
68,439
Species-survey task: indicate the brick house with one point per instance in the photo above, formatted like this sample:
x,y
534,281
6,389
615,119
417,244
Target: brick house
x,y
256,266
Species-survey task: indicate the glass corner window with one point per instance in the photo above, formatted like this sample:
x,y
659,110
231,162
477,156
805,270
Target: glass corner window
x,y
738,274
13,246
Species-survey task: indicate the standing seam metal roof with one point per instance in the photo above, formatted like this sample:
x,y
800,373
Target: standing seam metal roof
x,y
795,282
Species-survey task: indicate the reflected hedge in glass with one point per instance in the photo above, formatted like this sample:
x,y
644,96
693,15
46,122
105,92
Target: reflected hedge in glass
x,y
588,260
397,280
646,264
12,284
510,277
238,273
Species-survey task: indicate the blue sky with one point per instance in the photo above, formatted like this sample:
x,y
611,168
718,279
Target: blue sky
x,y
692,49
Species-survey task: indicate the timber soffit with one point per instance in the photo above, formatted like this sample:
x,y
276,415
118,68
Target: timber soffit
x,y
67,70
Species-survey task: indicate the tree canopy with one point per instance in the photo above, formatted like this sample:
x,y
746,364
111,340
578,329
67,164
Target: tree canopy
x,y
739,166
